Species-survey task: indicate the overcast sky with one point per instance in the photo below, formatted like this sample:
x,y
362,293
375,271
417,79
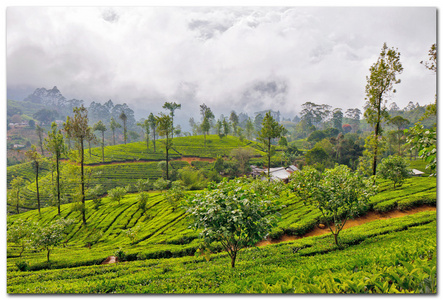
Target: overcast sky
x,y
242,58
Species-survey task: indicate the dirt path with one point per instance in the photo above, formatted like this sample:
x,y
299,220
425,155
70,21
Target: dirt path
x,y
190,159
371,216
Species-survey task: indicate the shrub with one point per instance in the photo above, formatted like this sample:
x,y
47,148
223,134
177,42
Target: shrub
x,y
394,168
22,265
120,255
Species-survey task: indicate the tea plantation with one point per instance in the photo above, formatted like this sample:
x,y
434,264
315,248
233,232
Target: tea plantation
x,y
125,164
156,251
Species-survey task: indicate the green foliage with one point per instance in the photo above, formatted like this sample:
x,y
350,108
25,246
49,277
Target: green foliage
x,y
116,194
425,141
20,234
383,76
46,237
338,193
161,184
394,168
318,158
175,194
120,255
142,199
236,213
192,179
379,261
270,129
22,265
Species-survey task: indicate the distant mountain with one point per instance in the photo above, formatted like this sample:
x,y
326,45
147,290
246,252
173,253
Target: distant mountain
x,y
47,97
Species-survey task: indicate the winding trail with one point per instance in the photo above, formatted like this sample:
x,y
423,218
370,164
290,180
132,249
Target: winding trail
x,y
370,216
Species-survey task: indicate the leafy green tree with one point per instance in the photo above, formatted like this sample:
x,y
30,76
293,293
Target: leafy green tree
x,y
20,234
45,116
99,126
35,158
94,194
318,158
161,184
142,185
218,128
233,118
117,193
114,125
124,118
15,192
236,213
337,118
249,127
270,130
242,156
225,125
164,125
134,135
145,125
425,141
172,106
383,76
175,194
55,144
394,168
142,199
207,116
366,160
338,193
400,123
77,127
153,123
46,237
431,64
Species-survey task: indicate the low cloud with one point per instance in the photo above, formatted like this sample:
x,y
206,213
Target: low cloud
x,y
247,59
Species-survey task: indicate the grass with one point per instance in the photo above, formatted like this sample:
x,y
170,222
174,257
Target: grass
x,y
396,255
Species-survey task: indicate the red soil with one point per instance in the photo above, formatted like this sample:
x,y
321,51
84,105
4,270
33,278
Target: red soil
x,y
371,216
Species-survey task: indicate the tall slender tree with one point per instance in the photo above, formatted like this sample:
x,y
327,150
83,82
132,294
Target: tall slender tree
x,y
124,118
233,118
380,82
207,116
114,125
77,127
40,130
145,127
99,126
172,106
56,145
270,130
164,125
249,128
35,158
153,123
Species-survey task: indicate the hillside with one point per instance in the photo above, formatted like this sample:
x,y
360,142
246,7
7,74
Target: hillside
x,y
125,164
162,233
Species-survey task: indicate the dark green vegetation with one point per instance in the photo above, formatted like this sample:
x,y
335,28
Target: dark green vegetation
x,y
395,255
